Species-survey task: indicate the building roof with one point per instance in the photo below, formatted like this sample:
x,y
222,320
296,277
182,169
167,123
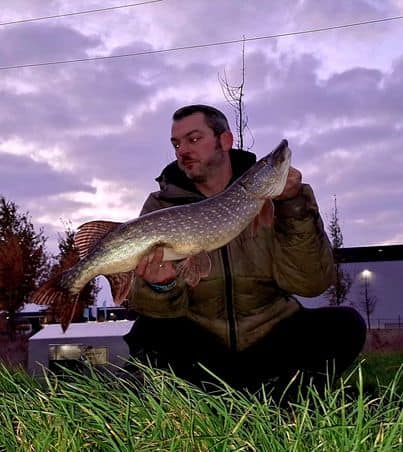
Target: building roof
x,y
83,330
369,253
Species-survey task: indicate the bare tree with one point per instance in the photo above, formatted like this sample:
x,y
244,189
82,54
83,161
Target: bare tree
x,y
337,293
234,96
367,299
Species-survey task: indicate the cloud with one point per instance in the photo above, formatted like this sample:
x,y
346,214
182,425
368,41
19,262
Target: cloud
x,y
23,179
88,139
34,43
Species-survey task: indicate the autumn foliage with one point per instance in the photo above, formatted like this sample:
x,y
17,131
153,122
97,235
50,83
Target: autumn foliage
x,y
24,263
11,272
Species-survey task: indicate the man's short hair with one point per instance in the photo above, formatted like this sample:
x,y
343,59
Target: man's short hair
x,y
214,118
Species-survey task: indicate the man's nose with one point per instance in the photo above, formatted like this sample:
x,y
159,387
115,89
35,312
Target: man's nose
x,y
182,149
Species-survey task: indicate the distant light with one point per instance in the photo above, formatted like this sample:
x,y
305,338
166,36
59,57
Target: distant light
x,y
380,250
366,274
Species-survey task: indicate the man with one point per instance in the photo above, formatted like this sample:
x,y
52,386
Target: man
x,y
242,321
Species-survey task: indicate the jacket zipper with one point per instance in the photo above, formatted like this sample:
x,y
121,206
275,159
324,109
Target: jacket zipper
x,y
229,299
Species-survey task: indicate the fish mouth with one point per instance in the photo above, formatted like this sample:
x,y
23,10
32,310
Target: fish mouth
x,y
281,153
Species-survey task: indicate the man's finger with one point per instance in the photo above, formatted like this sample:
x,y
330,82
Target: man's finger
x,y
293,184
157,255
141,266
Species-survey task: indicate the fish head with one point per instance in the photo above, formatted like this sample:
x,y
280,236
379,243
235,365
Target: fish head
x,y
267,178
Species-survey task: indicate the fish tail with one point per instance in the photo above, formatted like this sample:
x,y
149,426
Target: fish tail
x,y
63,302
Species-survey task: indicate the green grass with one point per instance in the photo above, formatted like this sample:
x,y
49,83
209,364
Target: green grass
x,y
379,369
105,413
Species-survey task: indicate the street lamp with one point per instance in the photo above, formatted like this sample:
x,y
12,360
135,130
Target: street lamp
x,y
366,275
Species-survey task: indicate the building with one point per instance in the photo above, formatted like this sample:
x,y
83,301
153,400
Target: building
x,y
377,273
106,313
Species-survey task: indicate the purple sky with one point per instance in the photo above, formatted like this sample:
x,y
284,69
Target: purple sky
x,y
384,285
85,141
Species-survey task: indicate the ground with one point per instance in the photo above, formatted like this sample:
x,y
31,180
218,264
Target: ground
x,y
384,340
15,352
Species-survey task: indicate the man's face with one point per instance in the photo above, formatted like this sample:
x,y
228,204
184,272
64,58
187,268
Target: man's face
x,y
198,151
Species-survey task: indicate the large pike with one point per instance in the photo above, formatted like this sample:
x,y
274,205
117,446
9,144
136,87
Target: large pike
x,y
187,233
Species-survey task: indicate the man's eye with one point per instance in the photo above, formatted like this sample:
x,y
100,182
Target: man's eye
x,y
194,139
175,145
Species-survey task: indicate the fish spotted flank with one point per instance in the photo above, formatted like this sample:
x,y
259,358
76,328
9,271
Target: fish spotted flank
x,y
187,233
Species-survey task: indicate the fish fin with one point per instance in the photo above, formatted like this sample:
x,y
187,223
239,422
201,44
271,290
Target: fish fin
x,y
120,285
265,217
90,233
50,293
63,303
66,314
255,226
193,268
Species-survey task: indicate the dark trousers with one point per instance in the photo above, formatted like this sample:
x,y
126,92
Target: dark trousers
x,y
315,341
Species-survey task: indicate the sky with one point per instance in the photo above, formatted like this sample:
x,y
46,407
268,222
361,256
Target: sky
x,y
84,141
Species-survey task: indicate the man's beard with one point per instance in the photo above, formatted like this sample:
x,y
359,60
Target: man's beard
x,y
208,167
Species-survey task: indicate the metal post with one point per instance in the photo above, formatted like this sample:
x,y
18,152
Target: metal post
x,y
366,301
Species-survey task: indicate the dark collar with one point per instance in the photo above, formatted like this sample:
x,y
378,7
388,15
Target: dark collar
x,y
172,174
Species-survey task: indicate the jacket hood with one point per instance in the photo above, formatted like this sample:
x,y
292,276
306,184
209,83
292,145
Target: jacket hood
x,y
241,161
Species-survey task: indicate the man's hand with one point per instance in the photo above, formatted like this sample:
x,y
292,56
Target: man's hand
x,y
153,270
292,186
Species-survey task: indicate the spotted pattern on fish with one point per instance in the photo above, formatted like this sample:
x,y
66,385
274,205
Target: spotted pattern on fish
x,y
108,248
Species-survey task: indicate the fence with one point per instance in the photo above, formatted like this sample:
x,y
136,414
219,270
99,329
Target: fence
x,y
387,324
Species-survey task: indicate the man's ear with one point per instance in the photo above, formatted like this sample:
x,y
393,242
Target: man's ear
x,y
226,140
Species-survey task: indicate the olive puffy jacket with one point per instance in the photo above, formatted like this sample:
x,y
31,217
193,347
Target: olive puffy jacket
x,y
252,279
